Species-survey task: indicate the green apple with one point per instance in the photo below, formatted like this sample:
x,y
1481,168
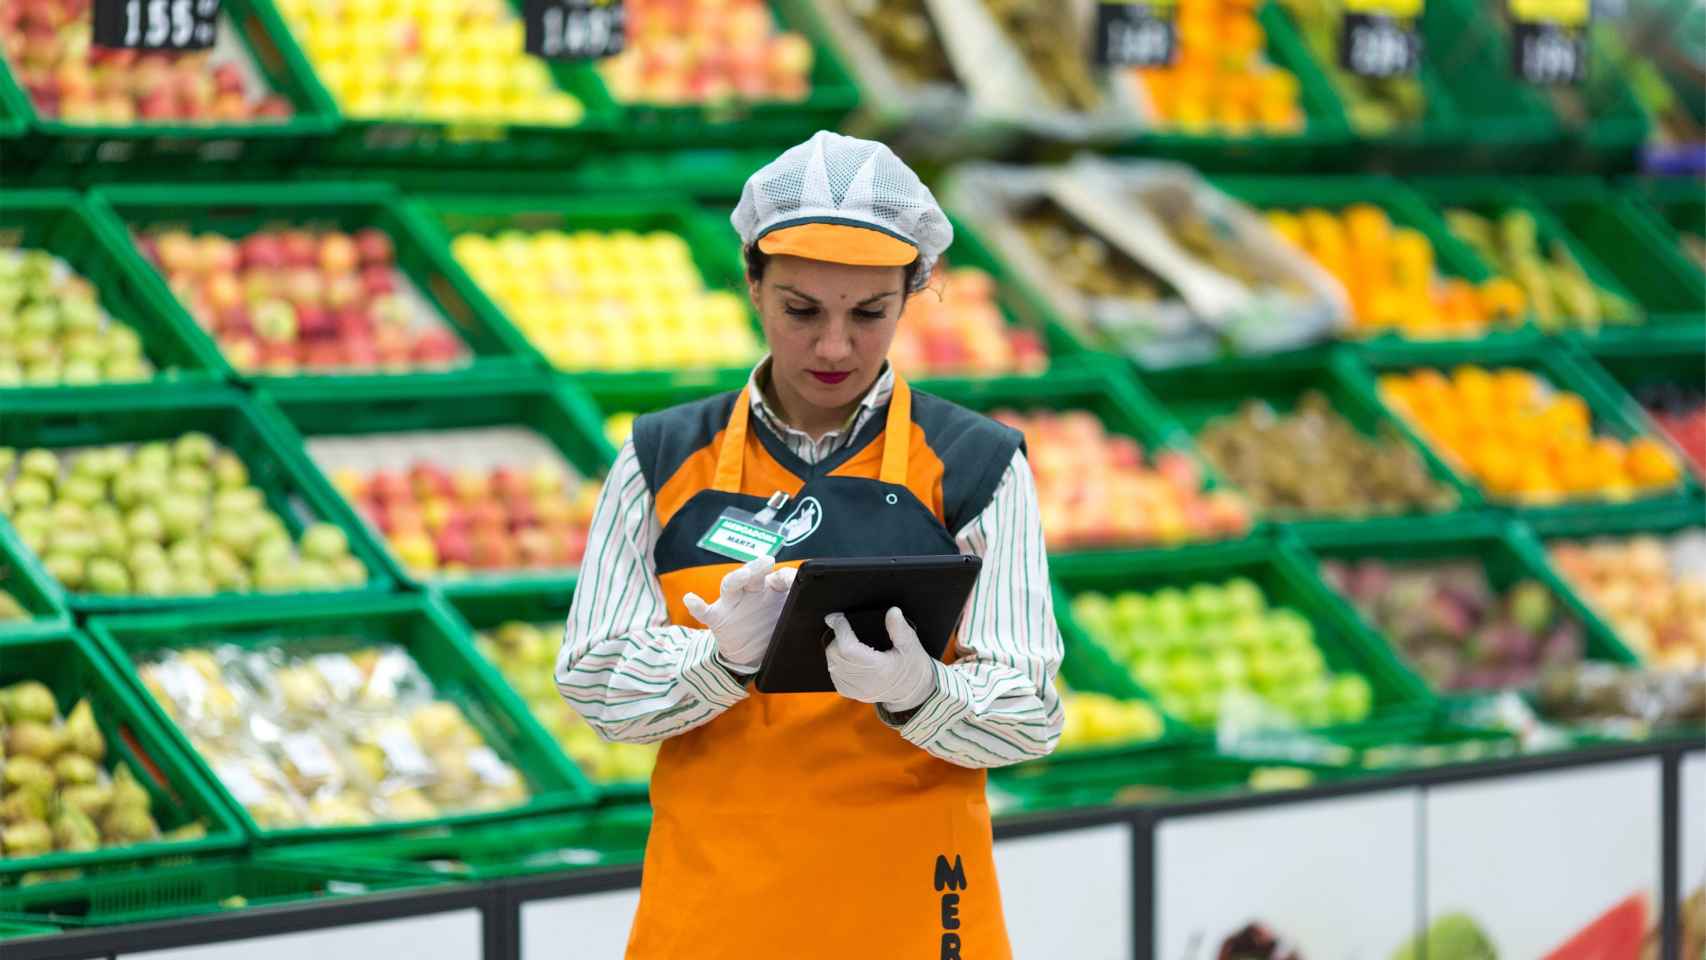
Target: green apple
x,y
143,523
1242,596
324,542
39,462
1205,602
30,491
187,556
85,491
194,449
1131,612
108,576
193,583
66,568
191,479
1288,630
1187,676
153,457
350,570
1169,610
229,473
1350,698
182,514
123,342
1230,668
145,556
126,369
73,542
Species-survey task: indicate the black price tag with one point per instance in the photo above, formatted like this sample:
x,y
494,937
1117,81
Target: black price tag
x,y
1379,46
575,29
156,24
1549,54
1136,34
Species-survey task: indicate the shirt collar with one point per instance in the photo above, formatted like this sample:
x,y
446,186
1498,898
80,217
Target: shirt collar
x,y
874,398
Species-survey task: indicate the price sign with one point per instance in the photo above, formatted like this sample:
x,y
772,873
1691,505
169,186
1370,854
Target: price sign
x,y
1136,34
575,29
1378,46
156,24
1549,41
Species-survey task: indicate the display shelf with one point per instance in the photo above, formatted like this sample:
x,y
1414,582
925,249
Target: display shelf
x,y
432,637
555,411
237,210
105,151
74,669
1505,123
292,490
1157,779
32,588
60,223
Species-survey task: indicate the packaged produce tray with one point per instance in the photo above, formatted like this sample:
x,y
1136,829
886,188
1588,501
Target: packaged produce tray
x,y
60,224
1614,310
715,254
532,679
1180,775
68,424
1551,363
1645,256
831,97
74,670
429,637
421,143
265,59
609,837
30,589
1404,208
1505,553
1195,400
519,423
1123,409
1283,581
181,892
432,296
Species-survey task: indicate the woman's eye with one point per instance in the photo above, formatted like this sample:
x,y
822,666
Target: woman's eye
x,y
794,311
868,314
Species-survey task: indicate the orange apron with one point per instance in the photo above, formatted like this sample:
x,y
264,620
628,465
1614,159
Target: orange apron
x,y
800,825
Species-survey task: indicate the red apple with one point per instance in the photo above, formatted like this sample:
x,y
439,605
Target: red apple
x,y
373,247
217,254
304,286
343,290
454,546
177,251
242,352
508,484
337,253
378,280
389,487
437,347
316,323
273,108
323,355
429,480
228,78
300,248
223,291
236,321
261,251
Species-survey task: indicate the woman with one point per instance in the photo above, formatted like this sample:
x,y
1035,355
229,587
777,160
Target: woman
x,y
847,824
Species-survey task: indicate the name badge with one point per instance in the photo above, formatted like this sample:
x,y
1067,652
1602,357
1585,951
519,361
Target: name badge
x,y
742,535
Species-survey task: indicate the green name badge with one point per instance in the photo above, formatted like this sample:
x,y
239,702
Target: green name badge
x,y
738,535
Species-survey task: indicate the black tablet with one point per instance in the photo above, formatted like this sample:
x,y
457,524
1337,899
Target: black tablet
x,y
931,591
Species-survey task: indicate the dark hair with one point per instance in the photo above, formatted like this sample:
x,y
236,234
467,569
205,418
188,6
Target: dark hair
x,y
757,261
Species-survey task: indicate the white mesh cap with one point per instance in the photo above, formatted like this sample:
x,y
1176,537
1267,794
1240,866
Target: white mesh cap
x,y
837,179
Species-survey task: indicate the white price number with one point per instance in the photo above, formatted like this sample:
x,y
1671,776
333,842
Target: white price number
x,y
1550,56
168,23
1378,48
580,32
1145,42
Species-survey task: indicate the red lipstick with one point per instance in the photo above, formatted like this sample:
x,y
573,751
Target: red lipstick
x,y
830,376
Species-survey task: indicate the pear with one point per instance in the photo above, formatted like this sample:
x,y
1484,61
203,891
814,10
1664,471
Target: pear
x,y
91,799
29,700
28,773
83,733
27,839
127,793
73,769
128,825
22,805
34,739
189,831
73,830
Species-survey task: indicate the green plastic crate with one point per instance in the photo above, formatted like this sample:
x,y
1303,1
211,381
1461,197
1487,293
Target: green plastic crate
x,y
831,98
30,586
1620,369
1359,750
1611,416
562,415
19,929
238,210
494,606
717,256
60,223
428,631
1020,303
1505,122
74,669
293,491
1286,579
1643,255
422,145
1673,205
105,151
610,837
174,893
1403,206
1152,780
1490,197
1195,399
1507,552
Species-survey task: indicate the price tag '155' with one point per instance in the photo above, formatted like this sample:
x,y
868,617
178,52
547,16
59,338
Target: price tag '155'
x,y
1136,34
155,24
575,29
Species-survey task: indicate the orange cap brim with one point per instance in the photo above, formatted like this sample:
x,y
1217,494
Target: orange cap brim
x,y
839,243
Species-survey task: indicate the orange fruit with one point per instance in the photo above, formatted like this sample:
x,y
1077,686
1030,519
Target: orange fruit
x,y
1503,301
1650,464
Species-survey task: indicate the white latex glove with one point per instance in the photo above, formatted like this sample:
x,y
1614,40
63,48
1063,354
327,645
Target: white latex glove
x,y
900,679
743,618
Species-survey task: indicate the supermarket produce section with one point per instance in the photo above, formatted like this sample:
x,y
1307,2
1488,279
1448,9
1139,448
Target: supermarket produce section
x,y
1367,416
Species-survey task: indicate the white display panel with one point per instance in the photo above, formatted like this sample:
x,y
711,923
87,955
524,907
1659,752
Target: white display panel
x,y
455,935
1300,869
1068,894
1692,833
590,927
1534,859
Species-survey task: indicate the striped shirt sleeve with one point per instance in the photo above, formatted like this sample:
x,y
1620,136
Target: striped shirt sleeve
x,y
623,666
997,704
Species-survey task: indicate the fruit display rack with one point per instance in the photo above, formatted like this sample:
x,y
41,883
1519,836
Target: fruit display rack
x,y
29,604
132,770
278,285
131,120
509,750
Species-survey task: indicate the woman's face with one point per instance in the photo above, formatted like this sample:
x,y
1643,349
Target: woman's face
x,y
829,326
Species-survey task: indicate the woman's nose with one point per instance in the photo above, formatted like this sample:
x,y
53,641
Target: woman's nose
x,y
835,345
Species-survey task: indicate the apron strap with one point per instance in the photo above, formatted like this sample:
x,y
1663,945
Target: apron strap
x,y
731,457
